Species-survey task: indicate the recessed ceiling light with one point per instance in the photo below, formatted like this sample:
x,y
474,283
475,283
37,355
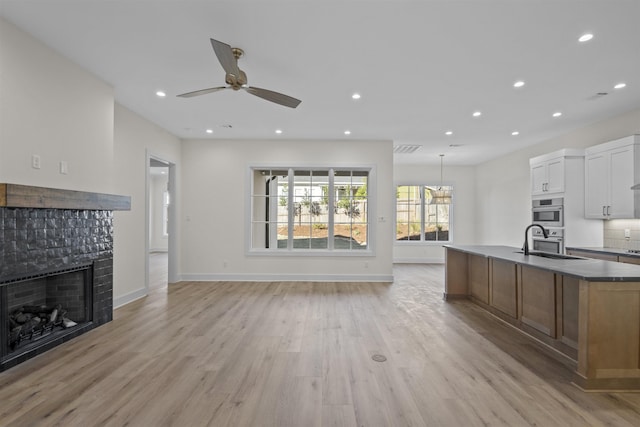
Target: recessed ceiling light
x,y
519,83
448,132
585,37
557,114
278,131
209,131
515,133
161,94
355,96
347,132
477,114
619,85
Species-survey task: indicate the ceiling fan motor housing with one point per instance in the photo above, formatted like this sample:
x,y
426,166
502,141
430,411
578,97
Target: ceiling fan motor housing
x,y
236,82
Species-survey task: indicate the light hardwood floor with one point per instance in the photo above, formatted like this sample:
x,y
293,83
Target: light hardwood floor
x,y
299,354
158,270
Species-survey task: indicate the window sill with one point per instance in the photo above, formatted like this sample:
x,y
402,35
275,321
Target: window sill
x,y
422,242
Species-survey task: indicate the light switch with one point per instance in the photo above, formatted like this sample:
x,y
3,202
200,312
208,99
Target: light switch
x,y
64,167
35,161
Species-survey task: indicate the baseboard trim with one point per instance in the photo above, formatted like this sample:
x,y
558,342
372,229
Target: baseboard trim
x,y
418,260
285,278
128,298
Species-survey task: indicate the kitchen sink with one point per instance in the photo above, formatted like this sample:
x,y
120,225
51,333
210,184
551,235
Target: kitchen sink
x,y
550,255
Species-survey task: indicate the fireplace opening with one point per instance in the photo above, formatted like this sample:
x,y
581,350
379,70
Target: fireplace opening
x,y
43,308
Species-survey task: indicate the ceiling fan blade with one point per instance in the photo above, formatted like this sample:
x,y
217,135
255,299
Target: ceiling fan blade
x,y
272,96
225,56
201,92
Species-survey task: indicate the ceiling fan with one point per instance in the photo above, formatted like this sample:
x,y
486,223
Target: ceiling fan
x,y
237,79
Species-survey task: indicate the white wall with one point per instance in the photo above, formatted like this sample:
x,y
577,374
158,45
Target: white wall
x,y
55,109
214,200
462,178
134,139
502,184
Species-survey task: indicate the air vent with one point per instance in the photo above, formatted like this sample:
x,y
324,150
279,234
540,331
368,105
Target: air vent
x,y
405,148
597,96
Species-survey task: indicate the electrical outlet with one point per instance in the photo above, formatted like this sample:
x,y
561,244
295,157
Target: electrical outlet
x,y
35,161
627,233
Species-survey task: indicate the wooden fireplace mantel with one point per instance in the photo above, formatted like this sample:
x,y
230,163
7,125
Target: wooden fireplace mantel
x,y
26,196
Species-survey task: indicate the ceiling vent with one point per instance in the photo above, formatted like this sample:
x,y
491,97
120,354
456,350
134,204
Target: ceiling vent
x,y
598,96
405,148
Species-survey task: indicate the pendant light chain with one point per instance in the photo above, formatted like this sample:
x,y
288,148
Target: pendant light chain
x,y
441,179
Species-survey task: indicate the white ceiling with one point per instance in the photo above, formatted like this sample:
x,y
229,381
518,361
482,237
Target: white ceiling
x,y
422,67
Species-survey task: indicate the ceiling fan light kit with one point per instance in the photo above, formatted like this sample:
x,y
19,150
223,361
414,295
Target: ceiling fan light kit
x,y
237,79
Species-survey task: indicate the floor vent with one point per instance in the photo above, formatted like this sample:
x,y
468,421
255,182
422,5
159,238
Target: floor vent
x,y
378,358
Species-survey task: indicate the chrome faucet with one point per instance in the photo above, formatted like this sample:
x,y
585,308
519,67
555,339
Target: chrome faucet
x,y
525,248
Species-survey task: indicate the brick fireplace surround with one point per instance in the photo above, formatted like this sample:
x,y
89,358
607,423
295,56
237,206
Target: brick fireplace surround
x,y
45,230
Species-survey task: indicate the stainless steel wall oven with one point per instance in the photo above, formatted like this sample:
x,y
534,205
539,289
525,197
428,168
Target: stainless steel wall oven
x,y
554,243
548,212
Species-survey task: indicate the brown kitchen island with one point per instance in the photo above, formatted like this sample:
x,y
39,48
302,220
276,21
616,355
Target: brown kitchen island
x,y
587,309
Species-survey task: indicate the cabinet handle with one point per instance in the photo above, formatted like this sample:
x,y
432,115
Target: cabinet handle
x,y
608,213
603,211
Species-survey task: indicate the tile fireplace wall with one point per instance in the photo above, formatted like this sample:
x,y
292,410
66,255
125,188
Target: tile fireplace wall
x,y
35,241
46,231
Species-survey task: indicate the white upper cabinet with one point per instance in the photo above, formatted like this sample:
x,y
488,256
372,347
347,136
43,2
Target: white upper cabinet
x,y
547,176
610,171
596,183
548,172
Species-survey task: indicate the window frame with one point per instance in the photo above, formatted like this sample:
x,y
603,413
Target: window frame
x,y
423,214
330,250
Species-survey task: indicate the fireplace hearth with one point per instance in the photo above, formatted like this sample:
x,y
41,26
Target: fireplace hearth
x,y
56,267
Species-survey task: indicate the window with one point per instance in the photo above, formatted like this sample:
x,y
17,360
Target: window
x,y
417,218
321,209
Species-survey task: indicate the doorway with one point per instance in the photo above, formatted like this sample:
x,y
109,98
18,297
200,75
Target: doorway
x,y
159,222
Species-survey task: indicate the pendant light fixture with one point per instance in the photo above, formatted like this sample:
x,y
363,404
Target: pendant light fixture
x,y
441,196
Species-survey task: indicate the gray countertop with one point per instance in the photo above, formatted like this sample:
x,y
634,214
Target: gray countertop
x,y
593,270
607,251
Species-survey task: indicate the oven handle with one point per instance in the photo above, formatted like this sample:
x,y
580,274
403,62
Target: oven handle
x,y
548,208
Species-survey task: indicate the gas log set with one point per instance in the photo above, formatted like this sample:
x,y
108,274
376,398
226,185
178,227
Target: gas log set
x,y
32,322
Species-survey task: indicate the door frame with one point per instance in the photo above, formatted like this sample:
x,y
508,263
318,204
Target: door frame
x,y
172,255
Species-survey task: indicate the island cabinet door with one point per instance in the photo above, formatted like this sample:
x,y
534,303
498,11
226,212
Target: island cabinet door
x,y
479,278
539,300
503,287
567,294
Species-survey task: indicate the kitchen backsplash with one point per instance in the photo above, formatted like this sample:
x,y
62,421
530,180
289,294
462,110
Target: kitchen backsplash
x,y
614,233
